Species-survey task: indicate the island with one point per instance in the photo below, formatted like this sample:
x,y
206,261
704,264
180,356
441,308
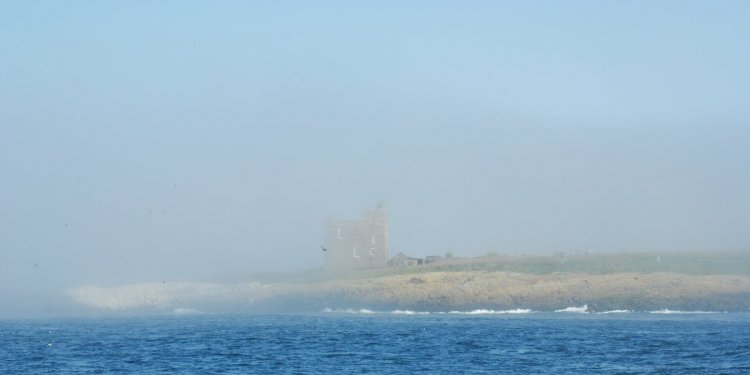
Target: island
x,y
643,281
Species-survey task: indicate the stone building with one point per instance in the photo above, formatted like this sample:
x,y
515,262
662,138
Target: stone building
x,y
401,260
352,244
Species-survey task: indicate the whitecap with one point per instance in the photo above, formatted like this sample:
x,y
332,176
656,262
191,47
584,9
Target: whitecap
x,y
409,312
348,311
487,312
668,311
516,311
578,310
615,312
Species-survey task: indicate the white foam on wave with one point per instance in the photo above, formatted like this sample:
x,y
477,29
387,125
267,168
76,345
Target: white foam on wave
x,y
409,312
573,309
615,312
488,312
348,311
412,312
668,311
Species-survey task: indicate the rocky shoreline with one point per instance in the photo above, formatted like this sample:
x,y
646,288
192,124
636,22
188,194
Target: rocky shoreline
x,y
471,290
633,282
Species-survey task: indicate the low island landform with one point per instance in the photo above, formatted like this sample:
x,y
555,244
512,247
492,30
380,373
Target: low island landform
x,y
360,275
601,282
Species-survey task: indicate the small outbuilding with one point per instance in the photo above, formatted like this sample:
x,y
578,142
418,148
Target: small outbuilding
x,y
401,260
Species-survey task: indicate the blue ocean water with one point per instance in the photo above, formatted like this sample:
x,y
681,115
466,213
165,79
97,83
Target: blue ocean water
x,y
375,343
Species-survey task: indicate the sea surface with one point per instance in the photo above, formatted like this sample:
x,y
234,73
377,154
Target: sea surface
x,y
366,342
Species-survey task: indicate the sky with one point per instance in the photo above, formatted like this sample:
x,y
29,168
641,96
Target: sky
x,y
178,140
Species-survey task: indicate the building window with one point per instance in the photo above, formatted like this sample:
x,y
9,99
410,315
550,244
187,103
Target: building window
x,y
355,252
373,240
372,251
338,233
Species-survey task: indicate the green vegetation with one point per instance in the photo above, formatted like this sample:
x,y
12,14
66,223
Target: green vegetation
x,y
724,263
720,263
637,281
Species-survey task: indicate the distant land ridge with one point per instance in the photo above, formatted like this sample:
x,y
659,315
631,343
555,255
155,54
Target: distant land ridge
x,y
603,282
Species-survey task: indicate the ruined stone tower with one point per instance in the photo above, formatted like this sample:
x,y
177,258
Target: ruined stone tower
x,y
361,243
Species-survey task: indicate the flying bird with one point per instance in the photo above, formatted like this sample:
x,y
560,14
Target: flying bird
x,y
324,249
36,265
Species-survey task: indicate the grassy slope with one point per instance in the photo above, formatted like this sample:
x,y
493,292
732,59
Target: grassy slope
x,y
690,264
609,281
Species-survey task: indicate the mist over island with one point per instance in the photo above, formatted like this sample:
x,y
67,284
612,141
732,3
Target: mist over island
x,y
195,157
711,282
360,273
382,187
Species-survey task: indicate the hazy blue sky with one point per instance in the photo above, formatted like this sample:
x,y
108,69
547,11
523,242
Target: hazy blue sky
x,y
182,140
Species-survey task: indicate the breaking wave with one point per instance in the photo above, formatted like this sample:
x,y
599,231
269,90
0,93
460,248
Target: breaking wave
x,y
409,312
615,312
412,312
488,312
668,311
348,311
368,311
572,310
577,310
